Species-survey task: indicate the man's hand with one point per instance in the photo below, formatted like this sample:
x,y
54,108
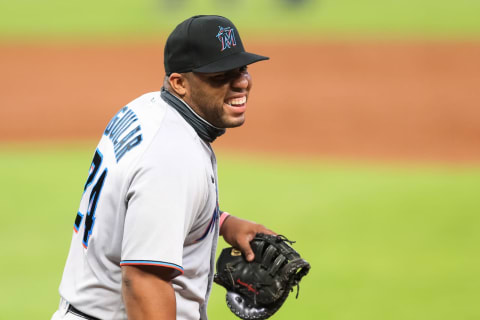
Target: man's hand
x,y
239,232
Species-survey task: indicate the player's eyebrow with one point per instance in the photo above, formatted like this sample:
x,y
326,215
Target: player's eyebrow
x,y
215,74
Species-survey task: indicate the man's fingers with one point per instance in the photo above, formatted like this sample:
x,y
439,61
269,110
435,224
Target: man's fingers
x,y
246,249
244,243
266,231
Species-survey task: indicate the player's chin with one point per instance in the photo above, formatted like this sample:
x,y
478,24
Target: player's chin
x,y
233,116
232,122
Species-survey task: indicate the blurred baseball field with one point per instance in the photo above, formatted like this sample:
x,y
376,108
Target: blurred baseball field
x,y
374,171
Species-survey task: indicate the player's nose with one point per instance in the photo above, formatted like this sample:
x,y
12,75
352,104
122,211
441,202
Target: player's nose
x,y
241,81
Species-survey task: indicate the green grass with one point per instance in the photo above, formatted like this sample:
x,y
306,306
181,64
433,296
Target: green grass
x,y
385,242
132,19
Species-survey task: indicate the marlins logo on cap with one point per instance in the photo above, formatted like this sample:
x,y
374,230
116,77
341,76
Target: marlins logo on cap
x,y
192,47
227,37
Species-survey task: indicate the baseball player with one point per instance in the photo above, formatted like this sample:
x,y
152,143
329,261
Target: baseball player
x,y
146,230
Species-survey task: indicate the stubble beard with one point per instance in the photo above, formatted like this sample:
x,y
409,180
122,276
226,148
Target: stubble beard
x,y
215,114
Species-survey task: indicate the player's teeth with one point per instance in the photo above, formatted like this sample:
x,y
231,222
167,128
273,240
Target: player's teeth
x,y
237,101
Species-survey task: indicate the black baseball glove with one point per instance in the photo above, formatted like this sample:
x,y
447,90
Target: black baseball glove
x,y
257,289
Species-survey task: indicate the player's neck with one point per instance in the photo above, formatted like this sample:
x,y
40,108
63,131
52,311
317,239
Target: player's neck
x,y
205,130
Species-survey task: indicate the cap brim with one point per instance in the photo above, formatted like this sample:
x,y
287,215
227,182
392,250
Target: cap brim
x,y
233,61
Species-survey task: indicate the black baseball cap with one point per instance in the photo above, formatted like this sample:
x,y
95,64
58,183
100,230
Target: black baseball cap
x,y
206,43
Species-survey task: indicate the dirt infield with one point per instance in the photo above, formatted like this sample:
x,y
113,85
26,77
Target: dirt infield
x,y
416,101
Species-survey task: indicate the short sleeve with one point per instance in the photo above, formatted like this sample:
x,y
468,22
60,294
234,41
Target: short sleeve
x,y
162,201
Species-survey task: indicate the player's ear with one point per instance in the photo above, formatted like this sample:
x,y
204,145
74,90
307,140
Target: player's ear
x,y
178,83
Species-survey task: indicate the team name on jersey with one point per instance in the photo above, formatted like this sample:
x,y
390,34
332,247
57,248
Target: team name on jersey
x,y
123,133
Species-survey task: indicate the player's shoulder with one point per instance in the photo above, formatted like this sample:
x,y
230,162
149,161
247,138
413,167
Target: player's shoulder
x,y
132,127
149,105
153,110
170,126
146,98
160,132
175,143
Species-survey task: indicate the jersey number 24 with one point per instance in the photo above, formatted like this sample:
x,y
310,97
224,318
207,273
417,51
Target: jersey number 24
x,y
93,197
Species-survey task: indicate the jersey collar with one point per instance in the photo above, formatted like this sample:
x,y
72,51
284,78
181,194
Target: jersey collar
x,y
204,129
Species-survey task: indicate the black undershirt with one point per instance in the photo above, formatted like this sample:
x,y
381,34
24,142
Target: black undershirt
x,y
204,129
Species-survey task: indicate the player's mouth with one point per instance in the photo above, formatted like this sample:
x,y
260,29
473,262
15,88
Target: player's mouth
x,y
238,104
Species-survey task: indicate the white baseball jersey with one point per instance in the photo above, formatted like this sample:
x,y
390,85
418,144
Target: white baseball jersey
x,y
150,199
